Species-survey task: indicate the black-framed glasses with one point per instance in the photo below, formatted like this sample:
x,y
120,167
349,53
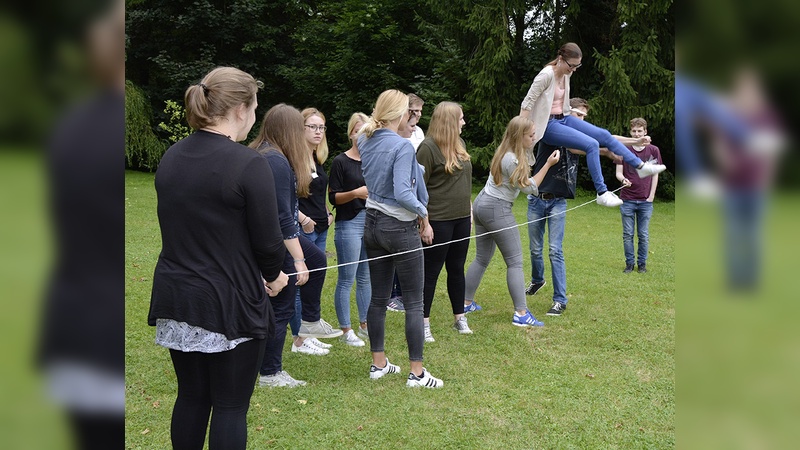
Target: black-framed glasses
x,y
415,112
572,66
315,128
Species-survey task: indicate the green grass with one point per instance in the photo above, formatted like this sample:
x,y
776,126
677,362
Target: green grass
x,y
600,376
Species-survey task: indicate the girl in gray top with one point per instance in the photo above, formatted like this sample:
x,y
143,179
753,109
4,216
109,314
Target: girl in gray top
x,y
492,213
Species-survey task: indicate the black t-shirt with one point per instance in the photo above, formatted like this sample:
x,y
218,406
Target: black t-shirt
x,y
346,176
560,179
314,205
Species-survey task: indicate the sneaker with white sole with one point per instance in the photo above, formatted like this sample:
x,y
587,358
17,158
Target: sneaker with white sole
x,y
351,339
363,333
396,304
557,309
309,349
428,334
426,380
320,344
472,307
461,326
526,320
609,199
280,379
376,372
319,329
649,169
533,288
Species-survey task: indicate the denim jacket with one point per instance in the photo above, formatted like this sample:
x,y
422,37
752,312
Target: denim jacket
x,y
392,173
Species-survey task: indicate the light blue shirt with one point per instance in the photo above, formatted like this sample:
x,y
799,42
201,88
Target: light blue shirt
x,y
392,174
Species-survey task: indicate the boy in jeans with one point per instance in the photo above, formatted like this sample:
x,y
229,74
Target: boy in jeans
x,y
637,206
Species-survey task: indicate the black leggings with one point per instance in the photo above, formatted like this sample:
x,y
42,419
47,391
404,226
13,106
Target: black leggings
x,y
452,256
219,382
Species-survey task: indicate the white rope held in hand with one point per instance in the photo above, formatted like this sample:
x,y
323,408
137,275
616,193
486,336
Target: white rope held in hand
x,y
448,242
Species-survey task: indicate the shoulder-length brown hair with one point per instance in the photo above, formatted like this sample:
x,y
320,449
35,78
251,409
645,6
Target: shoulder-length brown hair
x,y
282,128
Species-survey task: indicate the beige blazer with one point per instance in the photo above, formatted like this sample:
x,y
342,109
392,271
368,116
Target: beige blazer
x,y
540,99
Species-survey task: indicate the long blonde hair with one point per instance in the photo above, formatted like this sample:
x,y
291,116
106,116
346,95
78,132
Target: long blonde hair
x,y
390,106
443,130
282,128
513,142
321,151
217,93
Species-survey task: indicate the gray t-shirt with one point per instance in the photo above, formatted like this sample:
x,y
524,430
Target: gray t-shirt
x,y
505,191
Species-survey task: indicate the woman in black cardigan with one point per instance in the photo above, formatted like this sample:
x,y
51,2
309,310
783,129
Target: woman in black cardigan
x,y
222,253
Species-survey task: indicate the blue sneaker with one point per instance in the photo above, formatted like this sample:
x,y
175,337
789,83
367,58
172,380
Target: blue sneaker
x,y
526,321
472,307
396,304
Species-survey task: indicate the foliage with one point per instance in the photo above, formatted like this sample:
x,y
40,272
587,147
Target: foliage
x,y
143,149
600,376
176,121
338,55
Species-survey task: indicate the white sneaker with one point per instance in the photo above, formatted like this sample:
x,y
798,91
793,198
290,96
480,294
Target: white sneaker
x,y
280,379
650,169
351,339
428,334
609,199
319,329
461,326
376,372
319,344
363,333
426,380
309,349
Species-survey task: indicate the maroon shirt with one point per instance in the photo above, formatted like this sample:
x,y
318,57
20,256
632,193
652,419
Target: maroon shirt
x,y
640,187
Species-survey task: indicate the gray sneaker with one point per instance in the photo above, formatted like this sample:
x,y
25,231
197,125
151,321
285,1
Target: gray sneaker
x,y
280,379
461,326
363,333
319,329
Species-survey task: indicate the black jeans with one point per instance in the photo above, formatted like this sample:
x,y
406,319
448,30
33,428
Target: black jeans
x,y
283,303
385,235
452,256
219,384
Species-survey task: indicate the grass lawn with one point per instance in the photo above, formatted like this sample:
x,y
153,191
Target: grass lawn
x,y
600,376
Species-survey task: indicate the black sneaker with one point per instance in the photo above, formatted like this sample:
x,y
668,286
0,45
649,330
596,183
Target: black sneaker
x,y
642,268
557,309
534,287
628,268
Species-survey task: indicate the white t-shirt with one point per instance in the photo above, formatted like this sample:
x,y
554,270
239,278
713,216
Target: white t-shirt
x,y
416,137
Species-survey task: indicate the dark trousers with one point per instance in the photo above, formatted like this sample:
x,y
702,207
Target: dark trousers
x,y
385,235
452,256
216,384
283,303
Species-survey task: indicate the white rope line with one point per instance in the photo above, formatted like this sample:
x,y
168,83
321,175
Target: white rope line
x,y
448,242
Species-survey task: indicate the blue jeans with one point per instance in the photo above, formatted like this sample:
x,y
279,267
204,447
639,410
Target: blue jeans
x,y
744,221
571,132
383,236
320,240
638,213
349,239
537,209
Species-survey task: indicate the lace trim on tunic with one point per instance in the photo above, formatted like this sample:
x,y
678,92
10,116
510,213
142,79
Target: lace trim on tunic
x,y
189,338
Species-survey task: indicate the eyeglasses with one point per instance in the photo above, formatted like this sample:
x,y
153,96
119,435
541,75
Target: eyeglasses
x,y
415,112
315,128
571,66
